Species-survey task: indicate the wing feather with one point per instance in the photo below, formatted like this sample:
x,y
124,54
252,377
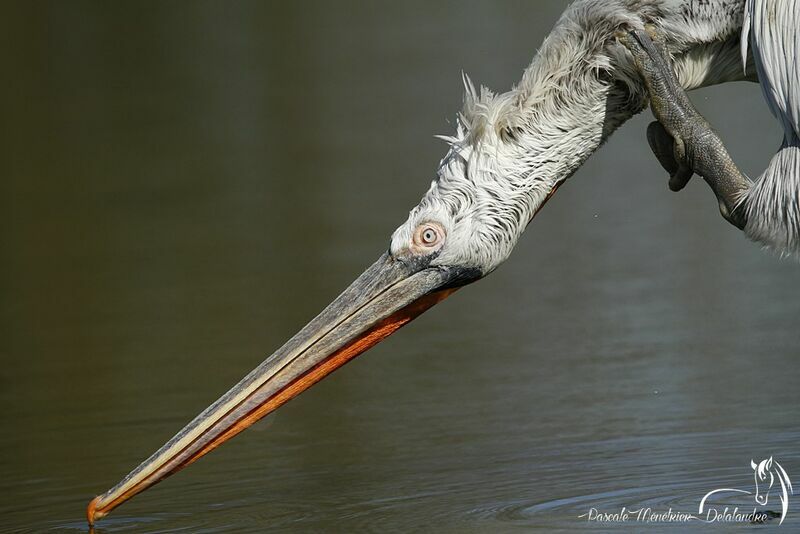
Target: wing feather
x,y
772,30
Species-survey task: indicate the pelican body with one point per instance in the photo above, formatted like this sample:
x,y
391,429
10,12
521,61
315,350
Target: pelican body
x,y
508,155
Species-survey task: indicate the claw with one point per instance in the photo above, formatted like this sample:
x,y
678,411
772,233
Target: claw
x,y
641,45
623,38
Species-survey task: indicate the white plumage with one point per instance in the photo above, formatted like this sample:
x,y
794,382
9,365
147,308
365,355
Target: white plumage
x,y
770,32
512,150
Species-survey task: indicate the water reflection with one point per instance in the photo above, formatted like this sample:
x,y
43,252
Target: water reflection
x,y
190,184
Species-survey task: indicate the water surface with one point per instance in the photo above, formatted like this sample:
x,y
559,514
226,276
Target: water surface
x,y
186,185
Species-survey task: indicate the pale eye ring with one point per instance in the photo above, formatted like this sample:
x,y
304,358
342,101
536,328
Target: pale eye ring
x,y
428,236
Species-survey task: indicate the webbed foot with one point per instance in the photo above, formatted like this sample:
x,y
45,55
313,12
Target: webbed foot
x,y
681,139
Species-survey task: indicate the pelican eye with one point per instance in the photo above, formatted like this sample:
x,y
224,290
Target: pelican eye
x,y
428,236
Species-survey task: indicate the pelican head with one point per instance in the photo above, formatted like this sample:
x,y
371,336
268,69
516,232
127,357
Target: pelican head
x,y
474,212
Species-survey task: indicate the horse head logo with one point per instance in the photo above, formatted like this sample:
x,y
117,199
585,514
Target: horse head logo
x,y
765,473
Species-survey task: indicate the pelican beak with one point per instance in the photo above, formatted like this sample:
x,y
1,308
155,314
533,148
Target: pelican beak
x,y
386,296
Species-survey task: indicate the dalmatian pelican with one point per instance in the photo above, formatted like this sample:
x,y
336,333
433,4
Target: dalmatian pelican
x,y
602,63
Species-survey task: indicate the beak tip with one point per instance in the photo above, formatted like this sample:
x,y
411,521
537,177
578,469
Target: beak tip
x,y
92,513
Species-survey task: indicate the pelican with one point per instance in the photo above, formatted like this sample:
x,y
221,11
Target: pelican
x,y
601,64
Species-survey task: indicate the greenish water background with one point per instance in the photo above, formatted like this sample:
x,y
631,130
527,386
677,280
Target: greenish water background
x,y
184,185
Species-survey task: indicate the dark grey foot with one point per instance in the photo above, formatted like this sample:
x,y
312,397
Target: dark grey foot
x,y
682,139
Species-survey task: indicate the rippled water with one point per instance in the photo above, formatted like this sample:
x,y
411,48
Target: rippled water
x,y
188,184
